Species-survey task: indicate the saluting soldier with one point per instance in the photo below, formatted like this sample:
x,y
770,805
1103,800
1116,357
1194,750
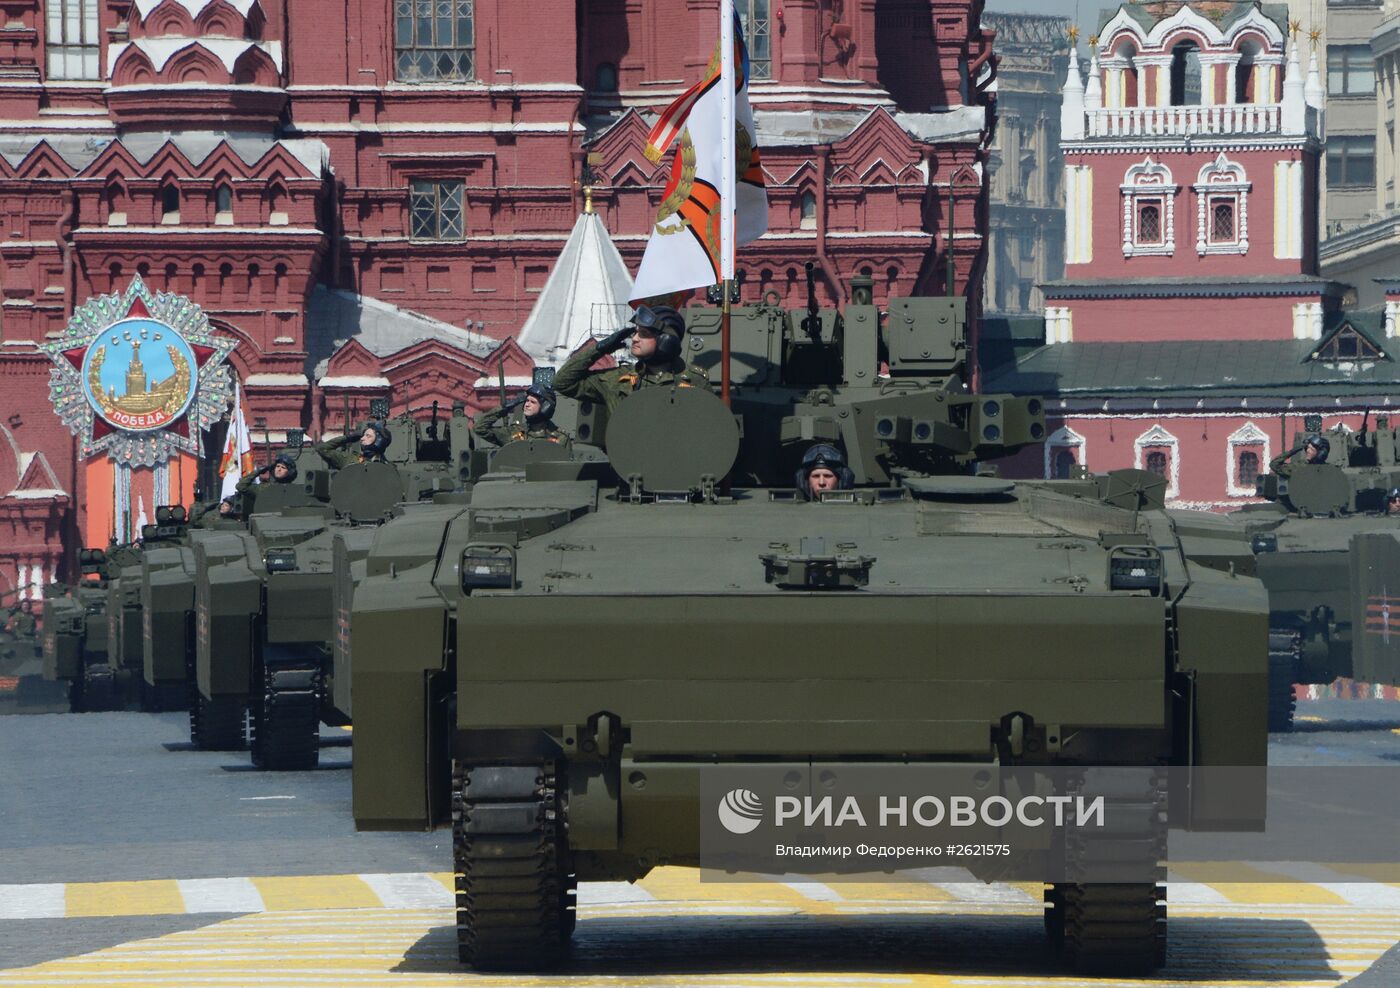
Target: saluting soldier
x,y
367,447
1314,450
655,342
531,416
282,470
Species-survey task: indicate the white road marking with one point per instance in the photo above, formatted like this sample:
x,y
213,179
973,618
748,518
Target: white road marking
x,y
221,895
1355,892
611,893
409,891
1180,893
258,799
816,891
32,901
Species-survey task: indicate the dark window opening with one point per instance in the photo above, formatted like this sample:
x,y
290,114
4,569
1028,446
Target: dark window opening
x,y
170,202
223,199
1149,223
1351,160
435,210
1351,70
1248,471
605,79
1157,463
1222,222
1186,74
1063,465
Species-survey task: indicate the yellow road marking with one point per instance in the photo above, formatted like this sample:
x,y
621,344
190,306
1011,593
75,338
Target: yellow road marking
x,y
316,892
153,898
1311,719
1245,883
684,885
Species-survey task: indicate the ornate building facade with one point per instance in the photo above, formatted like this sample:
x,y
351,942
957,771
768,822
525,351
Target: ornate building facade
x,y
1192,332
369,196
1027,220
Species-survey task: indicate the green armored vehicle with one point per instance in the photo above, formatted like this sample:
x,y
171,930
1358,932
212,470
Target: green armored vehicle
x,y
75,637
1303,539
263,614
557,666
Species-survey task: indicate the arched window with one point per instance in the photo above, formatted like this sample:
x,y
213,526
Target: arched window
x,y
605,78
170,204
277,206
223,205
808,209
1149,209
1222,208
116,205
1186,74
1063,464
1248,471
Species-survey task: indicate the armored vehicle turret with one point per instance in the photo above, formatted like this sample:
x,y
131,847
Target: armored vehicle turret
x,y
556,667
1303,537
262,597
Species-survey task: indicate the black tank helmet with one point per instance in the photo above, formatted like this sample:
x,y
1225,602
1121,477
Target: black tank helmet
x,y
824,455
668,324
1322,446
290,463
382,438
545,396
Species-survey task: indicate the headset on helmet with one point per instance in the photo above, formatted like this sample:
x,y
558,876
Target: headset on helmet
x,y
291,464
545,396
668,324
824,455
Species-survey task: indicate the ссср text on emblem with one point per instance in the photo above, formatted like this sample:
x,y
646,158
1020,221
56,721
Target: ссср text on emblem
x,y
138,375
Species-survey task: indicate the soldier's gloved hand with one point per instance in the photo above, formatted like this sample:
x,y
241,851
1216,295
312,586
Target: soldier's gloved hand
x,y
614,341
514,403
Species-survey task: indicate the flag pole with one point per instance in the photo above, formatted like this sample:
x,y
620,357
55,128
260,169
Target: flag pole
x,y
728,186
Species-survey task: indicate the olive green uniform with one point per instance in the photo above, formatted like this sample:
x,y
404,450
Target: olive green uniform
x,y
575,380
505,425
22,625
343,452
1280,465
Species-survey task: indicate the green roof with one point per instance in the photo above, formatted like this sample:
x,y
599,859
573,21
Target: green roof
x,y
1185,368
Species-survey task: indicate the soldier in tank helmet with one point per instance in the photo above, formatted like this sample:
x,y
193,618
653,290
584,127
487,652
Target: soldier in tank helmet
x,y
21,623
1315,451
823,469
282,470
528,417
367,447
654,339
1392,502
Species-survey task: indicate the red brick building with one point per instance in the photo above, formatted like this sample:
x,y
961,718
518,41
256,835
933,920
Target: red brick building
x,y
369,195
1192,333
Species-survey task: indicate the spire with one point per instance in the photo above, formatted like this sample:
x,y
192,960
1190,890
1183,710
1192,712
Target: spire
x,y
1072,107
1295,107
586,293
1313,93
1093,92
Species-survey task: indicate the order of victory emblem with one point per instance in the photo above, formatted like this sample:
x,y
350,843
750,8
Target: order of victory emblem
x,y
138,375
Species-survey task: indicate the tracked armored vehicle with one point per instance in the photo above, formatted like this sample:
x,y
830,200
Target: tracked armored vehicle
x,y
1303,539
262,598
75,636
556,667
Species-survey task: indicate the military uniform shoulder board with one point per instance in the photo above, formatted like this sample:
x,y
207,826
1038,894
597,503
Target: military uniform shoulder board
x,y
627,379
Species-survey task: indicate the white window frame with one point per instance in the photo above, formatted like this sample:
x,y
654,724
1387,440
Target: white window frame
x,y
1158,437
72,41
1143,182
1246,436
1221,179
1064,438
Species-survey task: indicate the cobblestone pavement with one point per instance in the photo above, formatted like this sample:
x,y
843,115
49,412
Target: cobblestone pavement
x,y
124,863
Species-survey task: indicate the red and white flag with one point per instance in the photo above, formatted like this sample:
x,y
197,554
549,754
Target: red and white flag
x,y
684,251
237,461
